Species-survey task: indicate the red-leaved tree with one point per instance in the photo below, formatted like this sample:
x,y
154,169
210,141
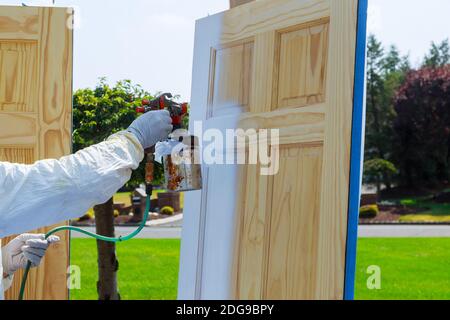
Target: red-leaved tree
x,y
422,127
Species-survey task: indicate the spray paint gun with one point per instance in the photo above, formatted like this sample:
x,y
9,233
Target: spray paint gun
x,y
183,173
165,101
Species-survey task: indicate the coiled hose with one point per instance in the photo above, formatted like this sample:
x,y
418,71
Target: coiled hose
x,y
93,235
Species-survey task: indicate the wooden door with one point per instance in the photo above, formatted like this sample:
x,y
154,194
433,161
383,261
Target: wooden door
x,y
287,65
35,114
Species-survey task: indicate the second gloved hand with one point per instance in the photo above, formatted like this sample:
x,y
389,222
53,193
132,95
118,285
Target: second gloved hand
x,y
152,127
24,248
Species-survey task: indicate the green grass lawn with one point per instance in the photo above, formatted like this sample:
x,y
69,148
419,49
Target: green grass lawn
x,y
148,269
410,268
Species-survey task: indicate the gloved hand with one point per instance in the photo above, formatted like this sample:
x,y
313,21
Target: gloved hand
x,y
152,127
24,248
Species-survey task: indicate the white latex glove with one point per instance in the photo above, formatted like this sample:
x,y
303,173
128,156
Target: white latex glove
x,y
24,248
152,127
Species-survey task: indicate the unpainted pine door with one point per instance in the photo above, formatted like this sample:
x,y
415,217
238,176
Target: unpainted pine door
x,y
287,65
35,114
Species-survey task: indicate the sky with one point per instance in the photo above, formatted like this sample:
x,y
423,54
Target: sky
x,y
151,41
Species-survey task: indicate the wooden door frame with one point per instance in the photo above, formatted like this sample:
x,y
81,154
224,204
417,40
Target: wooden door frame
x,y
190,280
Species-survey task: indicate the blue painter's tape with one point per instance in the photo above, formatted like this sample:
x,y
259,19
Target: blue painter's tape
x,y
357,151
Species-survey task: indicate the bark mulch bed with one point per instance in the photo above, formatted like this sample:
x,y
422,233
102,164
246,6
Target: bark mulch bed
x,y
391,214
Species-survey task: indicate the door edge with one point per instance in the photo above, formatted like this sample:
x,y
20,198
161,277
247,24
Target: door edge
x,y
357,150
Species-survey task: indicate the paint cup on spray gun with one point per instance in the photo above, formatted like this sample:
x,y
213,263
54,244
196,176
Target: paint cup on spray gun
x,y
180,158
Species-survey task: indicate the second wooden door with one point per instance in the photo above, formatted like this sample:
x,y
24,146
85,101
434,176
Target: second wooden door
x,y
36,115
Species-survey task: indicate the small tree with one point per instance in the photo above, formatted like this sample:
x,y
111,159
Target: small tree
x,y
376,169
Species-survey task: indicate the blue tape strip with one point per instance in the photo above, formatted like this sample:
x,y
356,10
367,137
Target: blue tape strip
x,y
357,151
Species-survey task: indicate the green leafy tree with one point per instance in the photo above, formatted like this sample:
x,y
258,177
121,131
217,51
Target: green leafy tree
x,y
102,111
105,110
439,55
385,73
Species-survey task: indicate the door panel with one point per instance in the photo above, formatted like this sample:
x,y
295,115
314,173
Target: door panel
x,y
291,244
305,50
231,71
290,228
35,114
17,76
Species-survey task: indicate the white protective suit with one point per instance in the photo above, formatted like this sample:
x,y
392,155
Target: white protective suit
x,y
52,191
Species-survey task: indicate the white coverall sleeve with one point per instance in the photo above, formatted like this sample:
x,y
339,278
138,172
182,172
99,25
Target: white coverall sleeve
x,y
52,191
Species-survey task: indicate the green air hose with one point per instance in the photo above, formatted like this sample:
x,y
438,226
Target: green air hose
x,y
93,235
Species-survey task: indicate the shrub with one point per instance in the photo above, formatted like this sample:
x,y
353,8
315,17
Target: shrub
x,y
167,211
88,216
368,212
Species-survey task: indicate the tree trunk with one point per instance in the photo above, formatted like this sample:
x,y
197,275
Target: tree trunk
x,y
378,185
107,260
387,181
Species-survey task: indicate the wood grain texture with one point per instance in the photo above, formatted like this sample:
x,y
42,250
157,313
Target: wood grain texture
x,y
35,114
302,65
18,128
18,70
235,3
266,16
251,235
301,125
17,155
19,24
294,224
265,65
336,158
291,242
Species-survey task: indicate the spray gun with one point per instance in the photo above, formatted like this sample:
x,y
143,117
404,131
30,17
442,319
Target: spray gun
x,y
176,110
184,175
165,101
